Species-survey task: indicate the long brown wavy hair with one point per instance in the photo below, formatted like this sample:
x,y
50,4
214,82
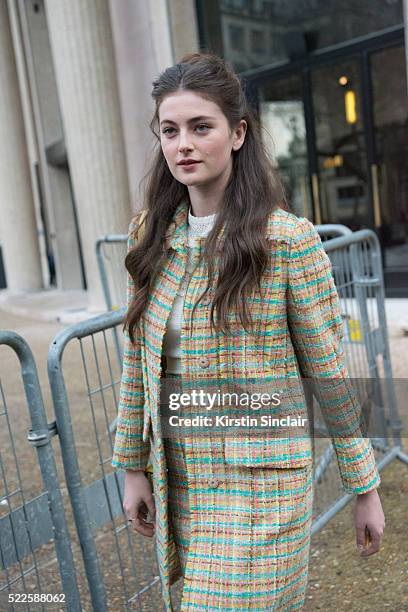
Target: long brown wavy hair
x,y
253,191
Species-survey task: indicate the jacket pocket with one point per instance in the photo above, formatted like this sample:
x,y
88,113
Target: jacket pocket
x,y
266,451
284,504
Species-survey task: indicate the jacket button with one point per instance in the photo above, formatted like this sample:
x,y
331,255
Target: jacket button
x,y
206,301
213,483
204,362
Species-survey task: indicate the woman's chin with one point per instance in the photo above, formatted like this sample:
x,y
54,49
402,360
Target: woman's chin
x,y
192,182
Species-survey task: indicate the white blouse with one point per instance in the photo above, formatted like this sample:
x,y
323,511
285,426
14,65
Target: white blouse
x,y
197,227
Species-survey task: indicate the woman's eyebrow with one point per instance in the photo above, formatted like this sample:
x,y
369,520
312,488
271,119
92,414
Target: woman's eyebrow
x,y
192,120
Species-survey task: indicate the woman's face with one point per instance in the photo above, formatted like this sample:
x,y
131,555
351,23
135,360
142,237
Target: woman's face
x,y
192,127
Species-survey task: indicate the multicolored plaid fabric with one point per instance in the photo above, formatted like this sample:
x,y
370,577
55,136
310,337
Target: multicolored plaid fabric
x,y
298,329
242,534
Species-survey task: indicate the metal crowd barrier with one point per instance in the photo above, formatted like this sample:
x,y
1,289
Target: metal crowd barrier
x,y
332,230
110,254
357,271
34,536
120,565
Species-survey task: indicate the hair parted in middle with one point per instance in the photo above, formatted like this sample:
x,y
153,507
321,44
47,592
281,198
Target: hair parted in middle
x,y
254,190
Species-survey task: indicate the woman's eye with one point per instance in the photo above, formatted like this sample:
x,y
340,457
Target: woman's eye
x,y
168,130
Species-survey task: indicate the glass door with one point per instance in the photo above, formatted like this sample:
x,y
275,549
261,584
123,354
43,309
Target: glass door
x,y
336,124
390,170
342,192
282,116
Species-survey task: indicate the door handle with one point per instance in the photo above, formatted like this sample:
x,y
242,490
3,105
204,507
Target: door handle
x,y
316,199
376,195
303,189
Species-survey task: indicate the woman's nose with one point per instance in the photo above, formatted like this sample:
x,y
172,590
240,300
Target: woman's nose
x,y
184,142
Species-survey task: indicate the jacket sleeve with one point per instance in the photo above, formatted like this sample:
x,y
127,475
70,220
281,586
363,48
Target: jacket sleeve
x,y
316,329
130,451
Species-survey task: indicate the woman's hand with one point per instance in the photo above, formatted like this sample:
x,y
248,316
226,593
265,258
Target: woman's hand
x,y
369,522
138,501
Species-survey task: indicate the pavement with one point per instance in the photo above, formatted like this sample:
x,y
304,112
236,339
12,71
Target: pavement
x,y
49,305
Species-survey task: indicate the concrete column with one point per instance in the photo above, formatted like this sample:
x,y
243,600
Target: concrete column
x,y
149,36
81,44
142,49
184,27
18,233
42,112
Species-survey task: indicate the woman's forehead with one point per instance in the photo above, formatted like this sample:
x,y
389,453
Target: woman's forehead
x,y
187,105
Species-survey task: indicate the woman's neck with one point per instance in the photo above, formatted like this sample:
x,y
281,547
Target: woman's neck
x,y
203,210
204,203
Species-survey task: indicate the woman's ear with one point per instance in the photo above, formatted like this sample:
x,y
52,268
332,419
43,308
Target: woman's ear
x,y
239,135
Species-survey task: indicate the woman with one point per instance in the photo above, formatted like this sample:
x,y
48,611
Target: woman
x,y
232,514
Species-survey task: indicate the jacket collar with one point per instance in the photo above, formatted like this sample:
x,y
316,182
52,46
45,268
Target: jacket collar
x,y
176,235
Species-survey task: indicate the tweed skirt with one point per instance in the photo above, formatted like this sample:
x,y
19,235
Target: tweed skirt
x,y
242,533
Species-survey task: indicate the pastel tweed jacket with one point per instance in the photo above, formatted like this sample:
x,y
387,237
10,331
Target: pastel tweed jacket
x,y
298,331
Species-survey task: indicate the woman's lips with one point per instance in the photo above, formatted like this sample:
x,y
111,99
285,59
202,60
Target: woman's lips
x,y
190,165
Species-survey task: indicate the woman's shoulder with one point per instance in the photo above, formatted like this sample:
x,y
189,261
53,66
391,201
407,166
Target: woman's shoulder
x,y
285,225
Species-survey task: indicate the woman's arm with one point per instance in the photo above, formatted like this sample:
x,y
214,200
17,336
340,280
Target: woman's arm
x,y
316,330
130,451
